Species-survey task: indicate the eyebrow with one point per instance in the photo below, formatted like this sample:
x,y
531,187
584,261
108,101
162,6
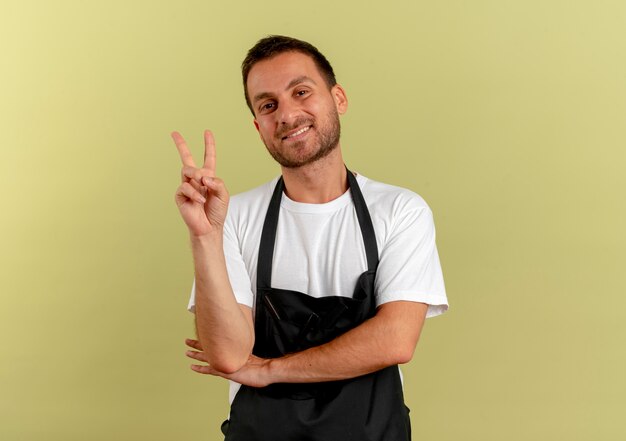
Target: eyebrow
x,y
298,80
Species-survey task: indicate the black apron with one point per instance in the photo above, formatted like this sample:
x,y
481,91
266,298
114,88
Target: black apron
x,y
366,408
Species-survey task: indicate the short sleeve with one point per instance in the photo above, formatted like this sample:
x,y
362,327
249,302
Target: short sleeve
x,y
409,267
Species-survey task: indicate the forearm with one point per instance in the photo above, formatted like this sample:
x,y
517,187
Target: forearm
x,y
387,339
226,334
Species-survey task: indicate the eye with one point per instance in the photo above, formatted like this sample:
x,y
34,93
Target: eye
x,y
302,92
267,107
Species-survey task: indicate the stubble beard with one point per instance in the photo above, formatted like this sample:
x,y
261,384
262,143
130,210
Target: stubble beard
x,y
328,141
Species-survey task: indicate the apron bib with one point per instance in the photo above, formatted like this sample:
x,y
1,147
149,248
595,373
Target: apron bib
x,y
366,408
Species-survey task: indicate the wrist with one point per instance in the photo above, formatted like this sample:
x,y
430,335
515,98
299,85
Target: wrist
x,y
281,370
214,237
271,370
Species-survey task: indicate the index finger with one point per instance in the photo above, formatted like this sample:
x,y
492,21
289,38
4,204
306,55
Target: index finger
x,y
183,150
209,152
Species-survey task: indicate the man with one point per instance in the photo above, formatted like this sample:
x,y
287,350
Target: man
x,y
310,289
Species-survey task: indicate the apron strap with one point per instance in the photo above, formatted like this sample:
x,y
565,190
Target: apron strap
x,y
365,222
268,238
268,234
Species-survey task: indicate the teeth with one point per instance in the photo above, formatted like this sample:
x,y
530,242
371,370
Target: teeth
x,y
302,130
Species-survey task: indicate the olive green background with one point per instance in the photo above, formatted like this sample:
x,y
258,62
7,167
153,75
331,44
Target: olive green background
x,y
508,117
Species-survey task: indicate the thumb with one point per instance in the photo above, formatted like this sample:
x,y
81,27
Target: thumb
x,y
217,187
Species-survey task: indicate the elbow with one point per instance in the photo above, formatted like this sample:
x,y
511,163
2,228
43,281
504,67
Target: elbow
x,y
228,357
225,368
396,353
400,324
402,349
404,354
227,365
230,361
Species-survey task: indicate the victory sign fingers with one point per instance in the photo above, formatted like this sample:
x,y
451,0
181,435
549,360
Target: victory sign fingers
x,y
201,198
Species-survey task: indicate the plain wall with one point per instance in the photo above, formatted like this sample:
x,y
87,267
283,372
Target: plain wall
x,y
508,117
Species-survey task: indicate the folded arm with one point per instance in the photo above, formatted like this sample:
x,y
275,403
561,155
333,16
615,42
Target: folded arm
x,y
389,338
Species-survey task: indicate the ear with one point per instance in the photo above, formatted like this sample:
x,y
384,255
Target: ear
x,y
340,98
256,125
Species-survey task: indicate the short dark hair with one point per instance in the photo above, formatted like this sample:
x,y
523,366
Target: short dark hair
x,y
273,45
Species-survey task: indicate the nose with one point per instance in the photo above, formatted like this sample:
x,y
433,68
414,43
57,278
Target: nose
x,y
288,112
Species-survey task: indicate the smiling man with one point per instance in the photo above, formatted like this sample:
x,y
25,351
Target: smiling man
x,y
287,141
311,289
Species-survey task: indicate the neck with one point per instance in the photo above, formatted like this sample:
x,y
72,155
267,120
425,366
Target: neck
x,y
319,182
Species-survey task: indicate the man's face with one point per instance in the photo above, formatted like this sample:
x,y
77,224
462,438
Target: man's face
x,y
296,114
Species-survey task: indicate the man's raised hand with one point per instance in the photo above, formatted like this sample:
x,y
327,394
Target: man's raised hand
x,y
202,198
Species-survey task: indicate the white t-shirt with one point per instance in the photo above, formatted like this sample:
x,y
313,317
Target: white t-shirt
x,y
319,248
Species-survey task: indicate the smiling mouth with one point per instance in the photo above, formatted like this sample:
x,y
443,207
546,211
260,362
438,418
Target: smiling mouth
x,y
297,133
